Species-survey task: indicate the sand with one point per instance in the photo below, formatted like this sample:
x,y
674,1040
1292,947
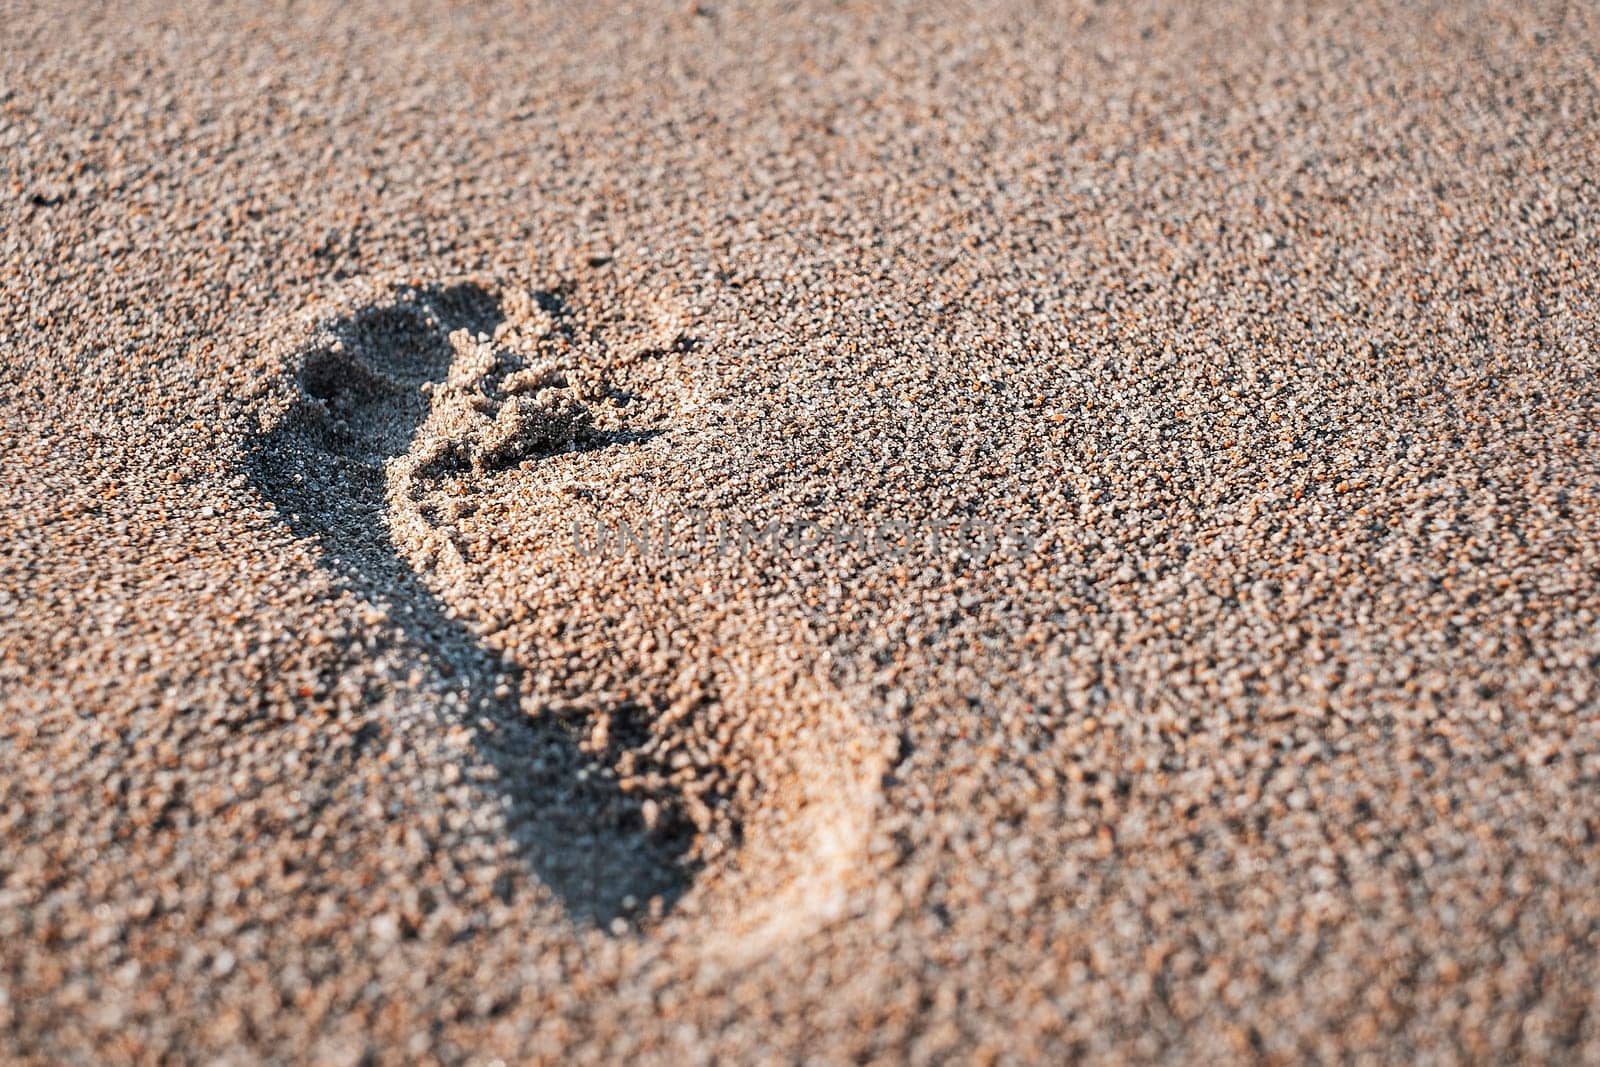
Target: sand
x,y
369,691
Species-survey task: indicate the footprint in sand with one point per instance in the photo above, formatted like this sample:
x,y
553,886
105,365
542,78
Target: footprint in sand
x,y
401,412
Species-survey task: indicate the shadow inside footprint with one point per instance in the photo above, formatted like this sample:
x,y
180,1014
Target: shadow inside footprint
x,y
362,402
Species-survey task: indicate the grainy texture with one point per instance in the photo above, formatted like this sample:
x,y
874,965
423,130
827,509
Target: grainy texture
x,y
323,737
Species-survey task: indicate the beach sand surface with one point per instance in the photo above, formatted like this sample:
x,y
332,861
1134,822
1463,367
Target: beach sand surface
x,y
821,532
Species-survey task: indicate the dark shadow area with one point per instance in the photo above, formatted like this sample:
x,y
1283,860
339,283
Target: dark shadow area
x,y
361,402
